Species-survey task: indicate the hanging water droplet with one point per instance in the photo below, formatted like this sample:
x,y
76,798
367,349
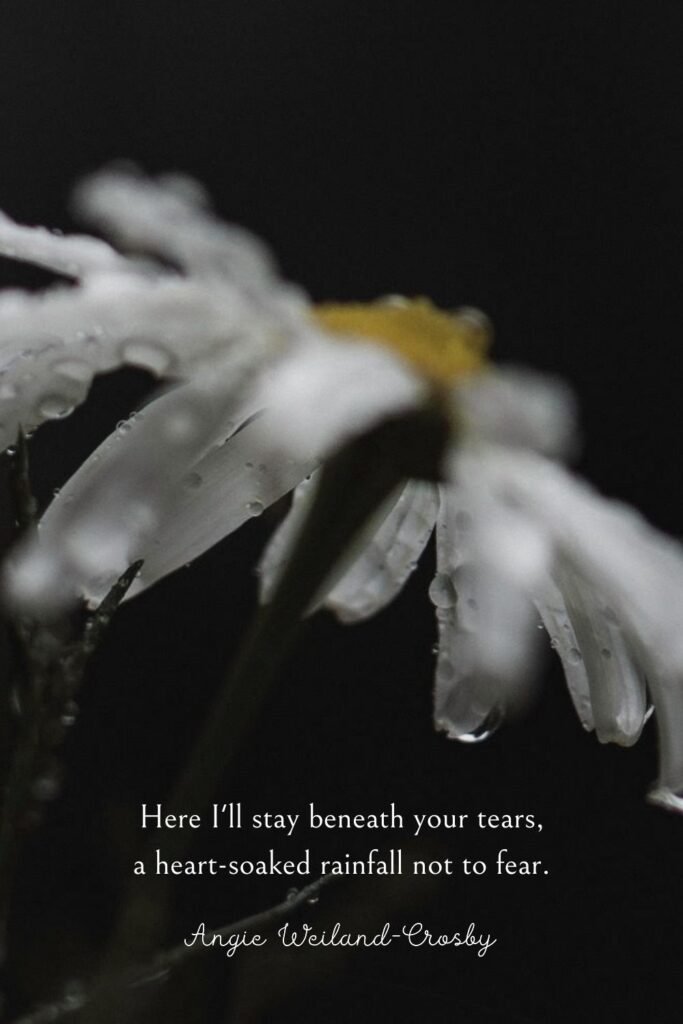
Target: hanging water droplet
x,y
149,356
55,406
255,508
442,592
488,727
69,714
123,427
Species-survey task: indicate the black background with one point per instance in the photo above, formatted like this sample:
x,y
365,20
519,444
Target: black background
x,y
525,158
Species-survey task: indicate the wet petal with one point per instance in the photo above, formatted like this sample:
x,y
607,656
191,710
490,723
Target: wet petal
x,y
486,627
170,216
616,682
555,617
162,488
76,256
386,562
518,408
327,392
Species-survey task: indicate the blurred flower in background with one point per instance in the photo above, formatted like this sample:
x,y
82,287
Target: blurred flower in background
x,y
262,388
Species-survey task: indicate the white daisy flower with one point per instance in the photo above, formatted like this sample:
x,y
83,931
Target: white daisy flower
x,y
270,387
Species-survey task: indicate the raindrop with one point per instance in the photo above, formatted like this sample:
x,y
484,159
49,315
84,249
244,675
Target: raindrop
x,y
491,724
150,357
254,508
574,656
442,592
55,407
123,426
70,713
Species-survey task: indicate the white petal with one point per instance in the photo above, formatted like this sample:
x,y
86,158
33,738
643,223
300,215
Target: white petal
x,y
518,408
281,544
553,611
486,628
74,256
157,489
327,392
386,562
51,345
617,685
170,216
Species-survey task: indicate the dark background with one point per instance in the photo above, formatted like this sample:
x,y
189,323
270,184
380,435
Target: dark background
x,y
525,158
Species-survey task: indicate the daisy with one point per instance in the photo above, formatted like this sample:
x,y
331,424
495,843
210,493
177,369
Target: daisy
x,y
516,534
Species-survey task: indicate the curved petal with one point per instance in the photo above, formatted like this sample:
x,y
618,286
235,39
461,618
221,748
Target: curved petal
x,y
164,487
616,682
76,256
326,392
171,216
486,627
518,408
386,562
555,617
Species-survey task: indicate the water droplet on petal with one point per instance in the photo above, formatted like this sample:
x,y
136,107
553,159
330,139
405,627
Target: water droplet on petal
x,y
149,356
123,426
488,727
255,508
69,714
55,406
442,592
74,370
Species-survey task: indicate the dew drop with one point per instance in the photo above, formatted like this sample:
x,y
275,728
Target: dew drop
x,y
69,714
55,406
123,426
488,727
150,357
254,508
442,592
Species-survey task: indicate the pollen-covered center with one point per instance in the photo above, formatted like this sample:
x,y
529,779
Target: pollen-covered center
x,y
442,346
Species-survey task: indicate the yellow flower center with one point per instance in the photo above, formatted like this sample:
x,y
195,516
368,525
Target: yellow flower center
x,y
442,346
